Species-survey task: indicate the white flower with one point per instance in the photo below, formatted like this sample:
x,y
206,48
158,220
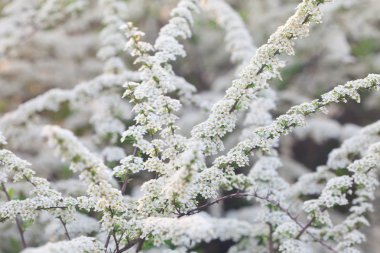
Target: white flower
x,y
187,231
264,65
293,246
129,165
80,245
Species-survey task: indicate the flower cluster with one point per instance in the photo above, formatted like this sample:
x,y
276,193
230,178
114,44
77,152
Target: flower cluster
x,y
154,109
112,39
26,117
43,197
188,231
295,117
263,67
34,17
81,244
238,40
98,178
129,165
365,182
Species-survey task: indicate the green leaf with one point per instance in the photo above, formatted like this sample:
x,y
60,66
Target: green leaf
x,y
11,192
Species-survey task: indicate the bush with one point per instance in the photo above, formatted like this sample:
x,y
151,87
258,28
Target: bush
x,y
151,164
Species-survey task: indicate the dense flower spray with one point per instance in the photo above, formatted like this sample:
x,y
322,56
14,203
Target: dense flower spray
x,y
138,175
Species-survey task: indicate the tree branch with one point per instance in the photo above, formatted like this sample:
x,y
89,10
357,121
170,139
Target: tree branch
x,y
107,241
116,241
270,239
129,245
140,245
198,209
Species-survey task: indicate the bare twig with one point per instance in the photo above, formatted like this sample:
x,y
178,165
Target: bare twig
x,y
125,184
64,226
199,208
107,241
270,239
303,230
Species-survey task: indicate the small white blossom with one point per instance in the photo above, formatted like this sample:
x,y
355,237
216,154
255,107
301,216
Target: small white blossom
x,y
80,245
129,165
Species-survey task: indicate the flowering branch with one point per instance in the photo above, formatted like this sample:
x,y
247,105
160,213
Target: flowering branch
x,y
18,222
253,78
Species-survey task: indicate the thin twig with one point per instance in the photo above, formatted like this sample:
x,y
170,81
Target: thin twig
x,y
64,226
266,198
294,218
303,230
270,238
199,208
125,183
116,242
107,241
109,234
51,207
18,222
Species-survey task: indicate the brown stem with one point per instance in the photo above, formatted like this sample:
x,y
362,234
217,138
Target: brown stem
x,y
51,207
129,245
303,230
308,16
270,238
199,208
125,184
107,241
110,233
64,226
116,242
140,245
18,222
